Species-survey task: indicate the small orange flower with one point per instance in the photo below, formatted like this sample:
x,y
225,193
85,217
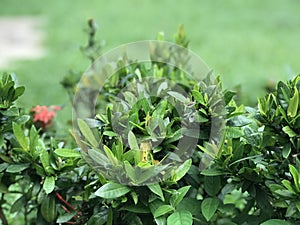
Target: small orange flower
x,y
44,115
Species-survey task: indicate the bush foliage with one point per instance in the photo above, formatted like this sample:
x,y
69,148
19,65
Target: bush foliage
x,y
254,177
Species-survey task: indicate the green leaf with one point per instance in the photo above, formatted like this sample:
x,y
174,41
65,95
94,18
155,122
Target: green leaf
x,y
135,197
45,160
18,204
296,176
112,190
161,220
239,121
183,217
162,210
190,204
130,171
48,208
228,96
23,119
68,153
18,92
100,219
114,161
132,141
65,217
3,166
275,222
20,136
143,174
110,134
98,157
156,189
136,208
293,104
286,151
283,94
212,184
178,195
49,184
182,170
209,207
87,133
288,186
234,132
16,168
178,96
214,172
198,97
289,131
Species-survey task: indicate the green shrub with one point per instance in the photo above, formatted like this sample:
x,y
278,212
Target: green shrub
x,y
254,177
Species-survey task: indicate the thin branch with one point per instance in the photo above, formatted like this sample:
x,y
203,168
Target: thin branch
x,y
2,216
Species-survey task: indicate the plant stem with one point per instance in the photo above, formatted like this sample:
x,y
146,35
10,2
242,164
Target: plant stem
x,y
2,216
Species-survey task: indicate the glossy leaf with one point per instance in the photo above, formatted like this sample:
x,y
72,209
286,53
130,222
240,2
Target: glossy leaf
x,y
209,207
182,170
112,190
182,217
276,222
68,153
296,176
133,144
178,195
16,168
156,189
87,132
65,217
162,210
293,104
22,139
178,96
49,184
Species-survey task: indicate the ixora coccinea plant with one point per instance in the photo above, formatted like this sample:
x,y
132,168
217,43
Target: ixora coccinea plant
x,y
133,143
152,116
147,154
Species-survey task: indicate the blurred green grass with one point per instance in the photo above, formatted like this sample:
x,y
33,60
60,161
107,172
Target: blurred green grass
x,y
247,42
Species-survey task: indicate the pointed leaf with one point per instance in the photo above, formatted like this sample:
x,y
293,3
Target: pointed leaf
x,y
182,169
183,217
3,166
289,131
130,171
65,217
293,104
162,210
98,157
209,207
112,190
296,176
178,195
276,222
20,136
19,204
16,168
178,96
156,189
49,184
87,132
114,161
68,153
133,144
212,184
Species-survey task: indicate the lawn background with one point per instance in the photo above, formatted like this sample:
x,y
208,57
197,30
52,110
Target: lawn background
x,y
247,42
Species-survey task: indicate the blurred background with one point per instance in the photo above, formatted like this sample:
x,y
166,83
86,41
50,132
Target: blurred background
x,y
249,43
